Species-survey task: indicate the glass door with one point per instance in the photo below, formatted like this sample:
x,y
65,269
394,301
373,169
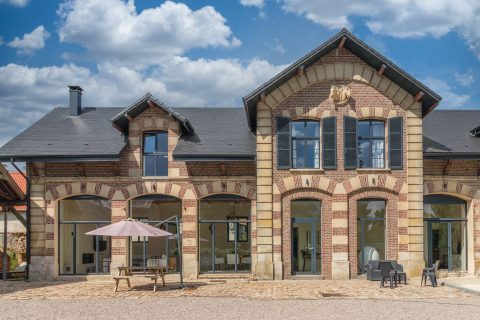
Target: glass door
x,y
225,246
447,244
306,252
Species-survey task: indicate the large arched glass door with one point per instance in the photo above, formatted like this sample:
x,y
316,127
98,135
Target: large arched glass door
x,y
445,232
306,236
80,253
224,234
155,209
370,231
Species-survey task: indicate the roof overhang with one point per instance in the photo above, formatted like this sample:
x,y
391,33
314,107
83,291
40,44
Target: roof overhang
x,y
217,157
121,120
62,158
429,100
451,155
10,192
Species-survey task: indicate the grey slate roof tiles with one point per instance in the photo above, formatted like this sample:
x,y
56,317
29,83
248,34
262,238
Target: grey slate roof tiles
x,y
447,132
59,135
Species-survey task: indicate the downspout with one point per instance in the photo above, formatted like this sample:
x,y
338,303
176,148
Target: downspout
x,y
27,201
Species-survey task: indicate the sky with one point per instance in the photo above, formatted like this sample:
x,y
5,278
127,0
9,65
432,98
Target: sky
x,y
202,53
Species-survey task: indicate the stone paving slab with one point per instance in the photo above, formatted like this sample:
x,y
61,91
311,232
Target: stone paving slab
x,y
263,290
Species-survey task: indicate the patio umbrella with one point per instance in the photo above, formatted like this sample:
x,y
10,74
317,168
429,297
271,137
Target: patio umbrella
x,y
129,228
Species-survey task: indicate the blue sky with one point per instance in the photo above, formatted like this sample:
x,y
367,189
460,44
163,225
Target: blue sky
x,y
211,53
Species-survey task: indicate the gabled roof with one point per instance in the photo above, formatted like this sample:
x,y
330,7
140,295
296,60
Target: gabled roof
x,y
447,134
60,137
9,191
373,58
121,120
220,134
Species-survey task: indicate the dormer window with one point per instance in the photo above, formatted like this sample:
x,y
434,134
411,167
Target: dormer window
x,y
155,154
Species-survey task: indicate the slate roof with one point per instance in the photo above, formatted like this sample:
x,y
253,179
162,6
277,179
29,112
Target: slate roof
x,y
447,133
57,135
361,50
220,133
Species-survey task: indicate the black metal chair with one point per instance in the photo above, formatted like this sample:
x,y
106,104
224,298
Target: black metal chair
x,y
388,273
431,274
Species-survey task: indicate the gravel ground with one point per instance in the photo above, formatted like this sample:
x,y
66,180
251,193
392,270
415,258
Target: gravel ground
x,y
236,308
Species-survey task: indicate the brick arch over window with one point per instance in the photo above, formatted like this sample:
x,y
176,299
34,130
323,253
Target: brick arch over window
x,y
65,190
180,191
286,223
357,72
379,181
225,187
320,183
453,188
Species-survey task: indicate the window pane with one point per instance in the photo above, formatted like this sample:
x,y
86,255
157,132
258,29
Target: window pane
x,y
149,143
371,209
313,129
298,129
364,129
162,142
298,153
149,165
378,147
312,154
364,154
162,165
378,129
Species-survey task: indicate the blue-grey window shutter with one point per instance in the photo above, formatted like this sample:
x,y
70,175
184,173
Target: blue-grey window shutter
x,y
329,145
283,143
395,142
350,143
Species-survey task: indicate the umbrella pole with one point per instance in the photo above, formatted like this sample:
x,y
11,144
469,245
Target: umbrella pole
x,y
179,252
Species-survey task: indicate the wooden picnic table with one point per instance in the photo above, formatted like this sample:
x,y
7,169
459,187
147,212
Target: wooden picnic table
x,y
154,273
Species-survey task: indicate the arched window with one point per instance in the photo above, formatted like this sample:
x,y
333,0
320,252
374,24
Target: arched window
x,y
224,234
81,253
370,231
306,236
445,231
155,209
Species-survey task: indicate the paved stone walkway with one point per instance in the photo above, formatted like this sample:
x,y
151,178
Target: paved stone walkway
x,y
262,290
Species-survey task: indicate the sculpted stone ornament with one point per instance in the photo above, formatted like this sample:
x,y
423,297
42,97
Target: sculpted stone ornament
x,y
340,95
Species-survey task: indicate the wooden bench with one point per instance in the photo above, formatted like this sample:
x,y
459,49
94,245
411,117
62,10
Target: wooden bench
x,y
117,280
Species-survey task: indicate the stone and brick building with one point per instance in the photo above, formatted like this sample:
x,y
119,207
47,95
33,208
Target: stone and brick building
x,y
337,160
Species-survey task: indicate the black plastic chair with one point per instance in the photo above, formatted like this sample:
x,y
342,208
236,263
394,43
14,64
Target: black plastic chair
x,y
388,273
431,274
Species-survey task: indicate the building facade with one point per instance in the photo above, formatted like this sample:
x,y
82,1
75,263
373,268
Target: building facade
x,y
328,166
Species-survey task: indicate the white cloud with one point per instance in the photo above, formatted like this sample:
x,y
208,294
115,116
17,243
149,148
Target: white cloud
x,y
451,99
466,79
397,18
277,46
16,3
30,42
28,93
253,3
112,30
